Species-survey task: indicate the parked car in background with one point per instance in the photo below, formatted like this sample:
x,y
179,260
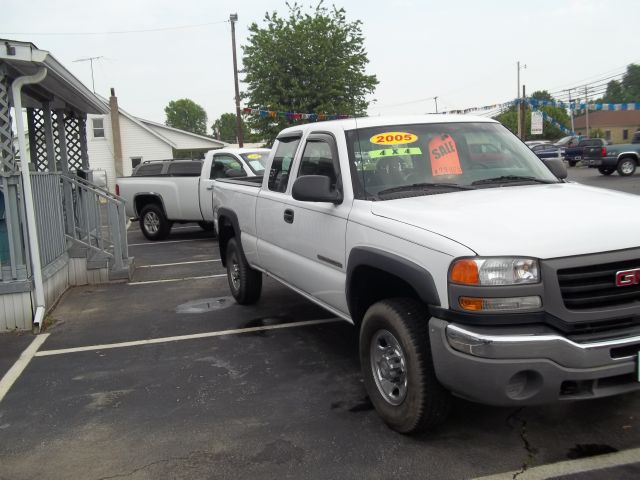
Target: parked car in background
x,y
575,153
160,193
568,141
547,150
533,143
623,157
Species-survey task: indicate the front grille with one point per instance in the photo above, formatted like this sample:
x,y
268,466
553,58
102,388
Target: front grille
x,y
595,286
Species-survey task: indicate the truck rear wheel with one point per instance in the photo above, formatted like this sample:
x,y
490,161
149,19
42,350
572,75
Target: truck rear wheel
x,y
606,170
245,283
396,362
154,223
626,167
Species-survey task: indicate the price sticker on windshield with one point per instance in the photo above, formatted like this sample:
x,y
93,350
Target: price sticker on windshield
x,y
254,156
444,156
393,138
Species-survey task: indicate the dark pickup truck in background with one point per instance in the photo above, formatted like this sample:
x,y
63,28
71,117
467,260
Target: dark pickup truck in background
x,y
607,159
574,154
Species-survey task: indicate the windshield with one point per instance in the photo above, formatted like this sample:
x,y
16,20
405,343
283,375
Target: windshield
x,y
421,159
256,161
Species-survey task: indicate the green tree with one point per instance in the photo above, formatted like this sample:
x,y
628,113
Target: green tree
x,y
510,118
225,128
625,90
186,115
307,62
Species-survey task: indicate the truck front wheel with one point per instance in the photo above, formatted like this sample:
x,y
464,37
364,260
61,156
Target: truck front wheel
x,y
396,362
154,223
626,167
245,283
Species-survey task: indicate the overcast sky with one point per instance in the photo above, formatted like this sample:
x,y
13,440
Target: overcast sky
x,y
464,52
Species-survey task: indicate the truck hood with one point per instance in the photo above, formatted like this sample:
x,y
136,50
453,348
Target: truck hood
x,y
543,221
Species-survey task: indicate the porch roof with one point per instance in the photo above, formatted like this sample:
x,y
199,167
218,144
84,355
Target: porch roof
x,y
60,87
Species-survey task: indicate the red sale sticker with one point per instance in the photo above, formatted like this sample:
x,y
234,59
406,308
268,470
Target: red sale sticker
x,y
444,156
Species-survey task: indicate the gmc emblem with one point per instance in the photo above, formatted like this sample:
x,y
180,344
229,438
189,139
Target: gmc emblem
x,y
628,277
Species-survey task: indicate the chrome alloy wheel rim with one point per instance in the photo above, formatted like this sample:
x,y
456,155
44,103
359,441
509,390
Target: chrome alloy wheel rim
x,y
152,222
627,167
235,273
389,367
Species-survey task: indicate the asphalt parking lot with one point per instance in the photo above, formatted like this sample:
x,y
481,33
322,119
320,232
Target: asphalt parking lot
x,y
166,377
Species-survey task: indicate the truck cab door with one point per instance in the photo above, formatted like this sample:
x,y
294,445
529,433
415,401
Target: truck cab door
x,y
308,238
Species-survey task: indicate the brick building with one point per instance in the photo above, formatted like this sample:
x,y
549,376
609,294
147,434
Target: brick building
x,y
618,126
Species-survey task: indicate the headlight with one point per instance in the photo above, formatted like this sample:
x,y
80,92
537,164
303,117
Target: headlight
x,y
494,271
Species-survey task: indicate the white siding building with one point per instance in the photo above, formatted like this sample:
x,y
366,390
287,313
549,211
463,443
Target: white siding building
x,y
141,140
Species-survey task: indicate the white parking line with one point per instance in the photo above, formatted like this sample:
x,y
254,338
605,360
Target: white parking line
x,y
16,370
156,265
169,241
169,280
219,333
570,467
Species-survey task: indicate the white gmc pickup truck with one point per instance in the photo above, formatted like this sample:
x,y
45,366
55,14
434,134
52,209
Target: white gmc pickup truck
x,y
162,192
449,245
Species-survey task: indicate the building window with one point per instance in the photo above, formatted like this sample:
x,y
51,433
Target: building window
x,y
625,134
98,127
135,161
607,134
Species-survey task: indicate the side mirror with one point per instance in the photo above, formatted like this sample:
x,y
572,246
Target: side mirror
x,y
557,167
315,188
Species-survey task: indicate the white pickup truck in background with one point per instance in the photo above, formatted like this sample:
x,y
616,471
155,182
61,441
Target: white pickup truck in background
x,y
162,192
445,241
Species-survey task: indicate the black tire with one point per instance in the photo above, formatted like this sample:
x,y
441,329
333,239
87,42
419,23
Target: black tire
x,y
627,167
245,283
606,170
425,403
154,223
572,163
206,226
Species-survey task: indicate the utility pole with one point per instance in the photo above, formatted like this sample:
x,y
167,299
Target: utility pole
x,y
435,99
522,118
586,110
90,59
570,108
519,101
233,18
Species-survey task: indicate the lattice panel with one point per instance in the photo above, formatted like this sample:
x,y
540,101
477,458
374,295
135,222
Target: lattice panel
x,y
72,132
38,139
7,154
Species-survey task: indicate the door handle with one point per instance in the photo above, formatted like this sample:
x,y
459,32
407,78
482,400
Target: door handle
x,y
210,187
288,215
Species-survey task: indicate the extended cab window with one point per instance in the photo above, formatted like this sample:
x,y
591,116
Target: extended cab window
x,y
318,159
148,170
185,169
281,164
225,166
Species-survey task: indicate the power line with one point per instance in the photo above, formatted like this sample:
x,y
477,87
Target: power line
x,y
581,82
120,32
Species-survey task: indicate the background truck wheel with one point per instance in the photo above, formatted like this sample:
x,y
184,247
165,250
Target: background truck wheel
x,y
396,362
606,170
572,163
153,223
245,282
626,167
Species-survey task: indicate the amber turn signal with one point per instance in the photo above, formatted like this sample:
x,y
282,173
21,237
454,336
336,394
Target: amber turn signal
x,y
465,271
472,304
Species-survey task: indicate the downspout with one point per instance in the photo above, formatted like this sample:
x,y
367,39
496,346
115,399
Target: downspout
x,y
34,245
